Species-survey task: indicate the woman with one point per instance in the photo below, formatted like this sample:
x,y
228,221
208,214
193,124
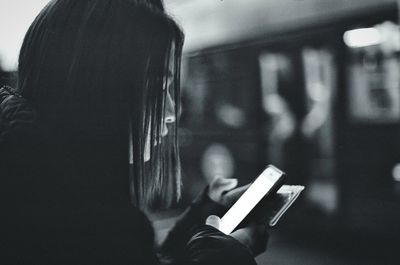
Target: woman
x,y
89,142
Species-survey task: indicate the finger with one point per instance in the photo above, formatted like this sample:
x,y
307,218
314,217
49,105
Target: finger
x,y
255,237
224,184
219,186
262,239
244,236
213,221
238,191
233,195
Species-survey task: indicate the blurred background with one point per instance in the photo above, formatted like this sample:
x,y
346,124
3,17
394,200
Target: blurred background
x,y
311,86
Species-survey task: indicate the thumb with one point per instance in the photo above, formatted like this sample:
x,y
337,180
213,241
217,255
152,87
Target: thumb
x,y
223,184
219,186
213,221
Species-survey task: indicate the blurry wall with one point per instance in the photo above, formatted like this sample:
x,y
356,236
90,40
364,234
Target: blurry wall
x,y
210,22
242,53
15,18
206,22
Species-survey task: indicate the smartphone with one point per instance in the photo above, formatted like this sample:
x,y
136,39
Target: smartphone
x,y
267,183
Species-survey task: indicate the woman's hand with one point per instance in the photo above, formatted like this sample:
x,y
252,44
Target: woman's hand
x,y
254,236
222,191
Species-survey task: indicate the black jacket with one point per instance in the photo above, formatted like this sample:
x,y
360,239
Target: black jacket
x,y
57,210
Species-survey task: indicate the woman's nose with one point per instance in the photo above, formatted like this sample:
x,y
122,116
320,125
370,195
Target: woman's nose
x,y
169,109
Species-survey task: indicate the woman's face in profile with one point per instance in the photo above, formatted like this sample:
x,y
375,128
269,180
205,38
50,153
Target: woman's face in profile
x,y
169,116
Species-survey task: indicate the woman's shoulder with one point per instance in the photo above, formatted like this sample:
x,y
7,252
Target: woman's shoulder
x,y
16,114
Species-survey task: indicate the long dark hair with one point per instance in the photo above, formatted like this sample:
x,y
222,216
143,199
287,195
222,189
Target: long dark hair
x,y
96,69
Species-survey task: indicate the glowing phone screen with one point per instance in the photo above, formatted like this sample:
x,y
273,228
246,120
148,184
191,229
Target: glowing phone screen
x,y
243,206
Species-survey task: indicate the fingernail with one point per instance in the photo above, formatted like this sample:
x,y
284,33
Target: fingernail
x,y
213,220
